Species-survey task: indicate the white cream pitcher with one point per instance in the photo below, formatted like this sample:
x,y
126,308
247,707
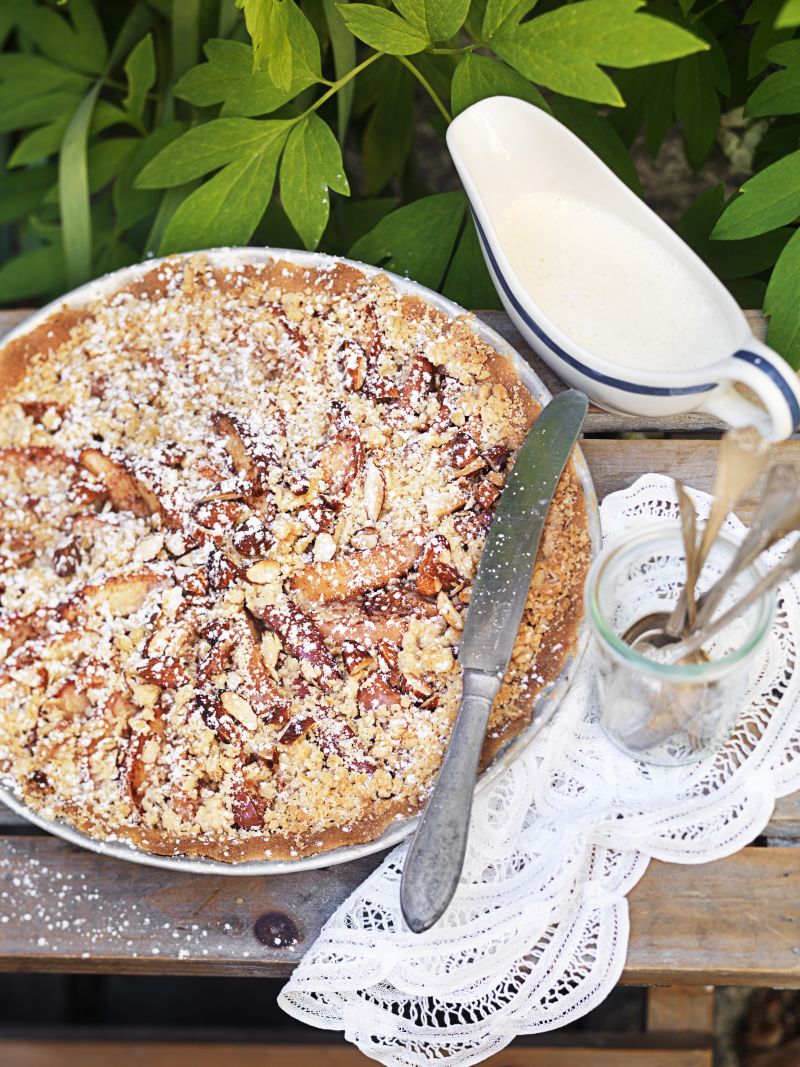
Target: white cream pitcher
x,y
606,293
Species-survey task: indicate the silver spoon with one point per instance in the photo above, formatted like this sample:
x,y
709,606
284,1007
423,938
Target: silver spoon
x,y
779,573
742,456
777,515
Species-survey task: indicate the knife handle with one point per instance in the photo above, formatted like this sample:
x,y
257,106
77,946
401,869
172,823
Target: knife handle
x,y
434,861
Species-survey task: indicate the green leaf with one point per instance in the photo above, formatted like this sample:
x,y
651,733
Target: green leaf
x,y
438,19
767,34
226,209
730,260
343,46
267,24
205,148
305,44
697,107
39,144
37,110
284,41
31,75
779,93
311,164
105,160
769,199
383,29
417,239
789,15
352,219
597,132
131,204
467,280
477,77
37,272
782,305
21,192
500,12
80,44
73,190
389,132
185,35
140,70
228,78
563,49
46,140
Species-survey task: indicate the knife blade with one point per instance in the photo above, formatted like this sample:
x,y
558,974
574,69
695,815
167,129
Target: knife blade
x,y
434,861
506,565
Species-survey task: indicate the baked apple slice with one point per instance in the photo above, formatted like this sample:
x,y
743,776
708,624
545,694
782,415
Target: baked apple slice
x,y
355,573
302,638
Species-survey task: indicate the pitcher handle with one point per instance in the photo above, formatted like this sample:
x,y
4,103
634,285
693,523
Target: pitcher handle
x,y
772,380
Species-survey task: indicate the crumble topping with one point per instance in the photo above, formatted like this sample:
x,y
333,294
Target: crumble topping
x,y
242,507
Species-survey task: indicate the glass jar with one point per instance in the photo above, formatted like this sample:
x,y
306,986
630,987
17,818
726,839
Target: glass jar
x,y
663,713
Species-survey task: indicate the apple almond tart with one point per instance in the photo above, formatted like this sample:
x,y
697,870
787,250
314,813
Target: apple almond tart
x,y
241,508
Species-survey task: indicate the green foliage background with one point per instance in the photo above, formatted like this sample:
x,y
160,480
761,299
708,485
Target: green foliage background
x,y
130,129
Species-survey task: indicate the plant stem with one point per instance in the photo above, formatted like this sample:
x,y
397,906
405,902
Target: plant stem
x,y
426,85
340,83
452,51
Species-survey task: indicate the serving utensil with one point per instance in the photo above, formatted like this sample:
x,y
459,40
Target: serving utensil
x,y
779,573
777,515
434,861
742,457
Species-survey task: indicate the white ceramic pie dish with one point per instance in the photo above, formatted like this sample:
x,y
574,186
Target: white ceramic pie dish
x,y
546,703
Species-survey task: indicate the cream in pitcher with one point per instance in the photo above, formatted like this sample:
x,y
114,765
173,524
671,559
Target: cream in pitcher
x,y
601,288
609,286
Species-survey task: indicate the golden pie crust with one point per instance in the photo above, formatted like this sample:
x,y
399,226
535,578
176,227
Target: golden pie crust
x,y
242,507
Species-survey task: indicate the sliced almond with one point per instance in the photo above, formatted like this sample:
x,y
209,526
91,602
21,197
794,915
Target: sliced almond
x,y
356,658
175,544
148,548
324,547
476,465
367,537
270,649
374,491
448,612
266,570
240,709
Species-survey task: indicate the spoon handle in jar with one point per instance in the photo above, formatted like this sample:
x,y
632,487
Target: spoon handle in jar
x,y
787,566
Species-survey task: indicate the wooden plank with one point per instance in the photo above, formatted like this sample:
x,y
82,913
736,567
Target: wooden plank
x,y
598,421
733,922
681,1009
784,825
184,1054
616,464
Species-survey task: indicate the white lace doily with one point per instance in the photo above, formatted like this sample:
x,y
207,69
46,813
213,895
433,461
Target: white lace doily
x,y
538,931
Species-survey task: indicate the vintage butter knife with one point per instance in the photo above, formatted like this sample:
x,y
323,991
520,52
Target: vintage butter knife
x,y
434,861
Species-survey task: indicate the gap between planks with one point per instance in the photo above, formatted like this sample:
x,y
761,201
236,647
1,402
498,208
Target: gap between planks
x,y
181,1054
